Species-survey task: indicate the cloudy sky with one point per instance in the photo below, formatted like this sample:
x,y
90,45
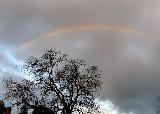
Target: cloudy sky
x,y
122,37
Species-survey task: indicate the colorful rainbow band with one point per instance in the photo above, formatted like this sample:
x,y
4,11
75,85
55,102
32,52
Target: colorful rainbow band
x,y
81,27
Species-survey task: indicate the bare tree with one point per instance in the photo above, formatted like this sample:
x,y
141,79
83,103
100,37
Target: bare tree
x,y
60,83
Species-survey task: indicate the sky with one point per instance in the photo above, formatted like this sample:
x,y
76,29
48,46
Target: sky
x,y
120,36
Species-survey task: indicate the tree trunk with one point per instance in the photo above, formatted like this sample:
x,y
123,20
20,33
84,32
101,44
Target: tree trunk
x,y
68,111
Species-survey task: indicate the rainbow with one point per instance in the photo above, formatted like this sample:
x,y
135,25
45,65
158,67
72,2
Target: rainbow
x,y
81,27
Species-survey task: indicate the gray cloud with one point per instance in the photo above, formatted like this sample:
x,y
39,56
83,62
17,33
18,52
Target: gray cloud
x,y
130,62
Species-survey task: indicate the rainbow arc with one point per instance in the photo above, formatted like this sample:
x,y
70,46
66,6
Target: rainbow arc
x,y
81,27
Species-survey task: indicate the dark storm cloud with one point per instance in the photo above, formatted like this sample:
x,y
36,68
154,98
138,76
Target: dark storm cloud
x,y
130,62
25,19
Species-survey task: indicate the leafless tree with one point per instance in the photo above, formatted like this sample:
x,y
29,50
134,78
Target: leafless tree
x,y
64,85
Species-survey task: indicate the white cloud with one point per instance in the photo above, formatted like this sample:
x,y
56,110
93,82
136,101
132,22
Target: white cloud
x,y
107,107
10,64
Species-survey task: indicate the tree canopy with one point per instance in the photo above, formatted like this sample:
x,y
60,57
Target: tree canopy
x,y
60,83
